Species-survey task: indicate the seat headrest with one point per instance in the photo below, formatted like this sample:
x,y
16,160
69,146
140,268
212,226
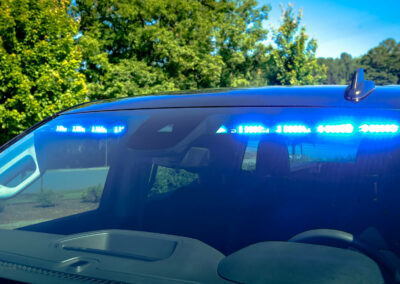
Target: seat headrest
x,y
196,157
272,158
375,158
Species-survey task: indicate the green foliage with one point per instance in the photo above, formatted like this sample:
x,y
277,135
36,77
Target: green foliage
x,y
92,194
133,47
382,63
38,63
341,70
48,198
139,47
293,58
136,47
239,41
168,179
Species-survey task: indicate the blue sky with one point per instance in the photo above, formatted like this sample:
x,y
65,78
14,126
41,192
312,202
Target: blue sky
x,y
352,26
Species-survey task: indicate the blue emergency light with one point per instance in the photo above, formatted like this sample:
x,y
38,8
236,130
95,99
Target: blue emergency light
x,y
94,129
341,129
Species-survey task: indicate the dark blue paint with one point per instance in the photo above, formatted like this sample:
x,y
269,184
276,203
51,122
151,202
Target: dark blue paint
x,y
387,97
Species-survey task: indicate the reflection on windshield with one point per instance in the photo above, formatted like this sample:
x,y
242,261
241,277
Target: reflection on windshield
x,y
18,167
229,177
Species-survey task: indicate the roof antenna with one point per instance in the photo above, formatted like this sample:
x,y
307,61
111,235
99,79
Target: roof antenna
x,y
359,88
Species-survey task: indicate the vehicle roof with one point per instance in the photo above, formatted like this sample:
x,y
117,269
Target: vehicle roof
x,y
304,96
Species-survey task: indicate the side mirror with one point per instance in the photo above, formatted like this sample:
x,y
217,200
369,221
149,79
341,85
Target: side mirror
x,y
18,167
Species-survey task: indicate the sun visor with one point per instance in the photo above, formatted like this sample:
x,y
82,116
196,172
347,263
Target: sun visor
x,y
164,132
195,158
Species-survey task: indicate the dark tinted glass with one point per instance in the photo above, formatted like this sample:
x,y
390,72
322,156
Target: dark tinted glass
x,y
227,176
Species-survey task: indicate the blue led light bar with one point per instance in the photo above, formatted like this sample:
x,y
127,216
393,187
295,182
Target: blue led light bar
x,y
118,129
379,128
61,128
222,129
78,129
95,129
336,128
99,129
292,129
252,129
344,128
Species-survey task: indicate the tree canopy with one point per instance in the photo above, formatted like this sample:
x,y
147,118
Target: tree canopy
x,y
240,40
381,65
54,53
38,63
292,61
339,71
134,47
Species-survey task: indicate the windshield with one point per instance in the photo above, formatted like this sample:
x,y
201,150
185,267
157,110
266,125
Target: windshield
x,y
229,177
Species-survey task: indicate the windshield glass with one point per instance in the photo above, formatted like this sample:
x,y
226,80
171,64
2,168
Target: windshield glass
x,y
229,177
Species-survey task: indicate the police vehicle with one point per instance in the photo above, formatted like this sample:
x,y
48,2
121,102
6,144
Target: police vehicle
x,y
255,185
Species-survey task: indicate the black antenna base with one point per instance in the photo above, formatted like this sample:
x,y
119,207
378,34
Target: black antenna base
x,y
359,88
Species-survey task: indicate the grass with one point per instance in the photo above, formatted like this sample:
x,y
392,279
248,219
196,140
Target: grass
x,y
32,197
23,223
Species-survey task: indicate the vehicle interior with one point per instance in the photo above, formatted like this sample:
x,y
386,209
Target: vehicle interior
x,y
235,192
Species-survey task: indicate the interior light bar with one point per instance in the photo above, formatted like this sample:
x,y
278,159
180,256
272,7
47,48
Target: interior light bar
x,y
95,129
292,129
379,128
251,129
78,129
222,129
61,128
118,129
99,129
336,128
345,128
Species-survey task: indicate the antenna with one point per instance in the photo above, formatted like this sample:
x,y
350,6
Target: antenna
x,y
359,88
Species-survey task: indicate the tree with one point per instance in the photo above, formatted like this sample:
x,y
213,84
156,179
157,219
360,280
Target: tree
x,y
333,73
38,63
134,47
347,67
339,70
240,44
382,63
292,59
